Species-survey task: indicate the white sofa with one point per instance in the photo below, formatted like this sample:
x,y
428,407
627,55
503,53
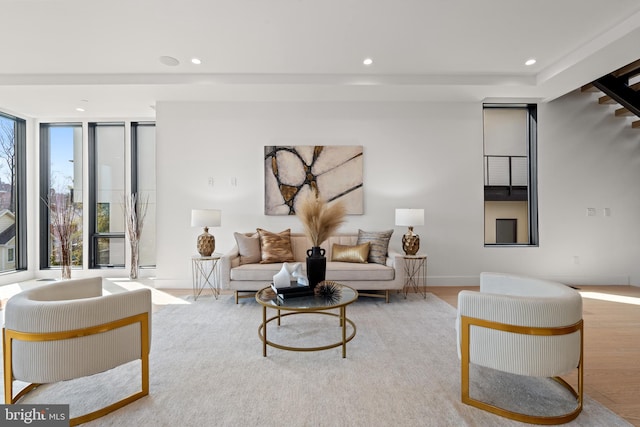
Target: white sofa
x,y
370,279
523,326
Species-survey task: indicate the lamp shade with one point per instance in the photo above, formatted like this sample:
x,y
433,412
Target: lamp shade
x,y
206,217
409,217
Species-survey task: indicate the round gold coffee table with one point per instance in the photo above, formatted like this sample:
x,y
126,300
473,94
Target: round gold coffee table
x,y
307,304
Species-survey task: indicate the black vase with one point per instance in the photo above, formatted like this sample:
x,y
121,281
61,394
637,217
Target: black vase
x,y
316,266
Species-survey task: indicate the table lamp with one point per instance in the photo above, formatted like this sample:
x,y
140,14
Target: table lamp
x,y
410,218
206,218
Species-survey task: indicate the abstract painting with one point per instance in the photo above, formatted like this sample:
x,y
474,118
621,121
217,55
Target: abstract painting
x,y
334,171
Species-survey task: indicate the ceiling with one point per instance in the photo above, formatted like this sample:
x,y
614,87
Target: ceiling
x,y
104,57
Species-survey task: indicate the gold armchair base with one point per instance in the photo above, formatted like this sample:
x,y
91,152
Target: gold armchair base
x,y
467,322
10,335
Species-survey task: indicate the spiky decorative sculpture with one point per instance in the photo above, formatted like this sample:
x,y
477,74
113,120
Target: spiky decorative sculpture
x,y
330,291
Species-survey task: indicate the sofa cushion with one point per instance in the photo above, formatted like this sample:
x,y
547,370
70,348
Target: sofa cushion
x,y
379,244
256,272
351,271
336,271
350,253
299,246
275,247
248,248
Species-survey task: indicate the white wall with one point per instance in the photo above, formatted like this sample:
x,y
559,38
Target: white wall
x,y
588,159
417,155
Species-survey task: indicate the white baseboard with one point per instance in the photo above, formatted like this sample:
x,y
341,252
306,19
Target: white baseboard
x,y
453,280
592,280
568,280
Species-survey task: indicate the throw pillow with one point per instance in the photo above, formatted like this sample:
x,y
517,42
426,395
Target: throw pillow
x,y
275,247
345,253
248,248
379,241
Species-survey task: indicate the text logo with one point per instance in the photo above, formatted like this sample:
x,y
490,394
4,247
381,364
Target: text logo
x,y
34,415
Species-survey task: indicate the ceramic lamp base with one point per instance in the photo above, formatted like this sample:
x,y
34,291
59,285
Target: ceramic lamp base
x,y
206,243
410,242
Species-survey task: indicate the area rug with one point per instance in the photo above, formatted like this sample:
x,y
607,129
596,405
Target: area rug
x,y
401,369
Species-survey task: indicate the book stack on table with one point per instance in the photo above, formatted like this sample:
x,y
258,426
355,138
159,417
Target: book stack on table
x,y
292,291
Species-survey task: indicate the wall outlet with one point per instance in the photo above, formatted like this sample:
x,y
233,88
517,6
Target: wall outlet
x,y
576,259
211,181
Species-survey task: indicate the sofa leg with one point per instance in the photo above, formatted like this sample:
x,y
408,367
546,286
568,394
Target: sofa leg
x,y
235,293
386,295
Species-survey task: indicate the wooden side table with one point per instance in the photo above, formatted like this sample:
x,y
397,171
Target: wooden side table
x,y
415,274
204,270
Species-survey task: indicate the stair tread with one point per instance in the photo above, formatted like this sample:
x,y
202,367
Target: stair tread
x,y
623,112
606,99
589,87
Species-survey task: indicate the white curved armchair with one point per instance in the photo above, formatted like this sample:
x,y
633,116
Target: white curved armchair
x,y
68,329
522,326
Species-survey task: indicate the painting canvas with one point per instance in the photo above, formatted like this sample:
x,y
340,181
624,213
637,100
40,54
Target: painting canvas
x,y
293,171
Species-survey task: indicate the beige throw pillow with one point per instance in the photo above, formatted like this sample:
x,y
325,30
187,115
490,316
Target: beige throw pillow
x,y
275,247
346,253
379,244
248,248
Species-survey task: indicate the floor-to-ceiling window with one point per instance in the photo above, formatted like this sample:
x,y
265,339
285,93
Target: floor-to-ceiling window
x,y
60,191
108,180
510,196
12,193
143,183
107,194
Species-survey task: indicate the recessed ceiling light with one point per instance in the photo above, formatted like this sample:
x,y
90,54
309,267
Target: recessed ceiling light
x,y
196,61
530,61
169,61
367,61
80,109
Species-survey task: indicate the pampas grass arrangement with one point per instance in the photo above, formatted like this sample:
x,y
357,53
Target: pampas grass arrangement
x,y
62,214
319,219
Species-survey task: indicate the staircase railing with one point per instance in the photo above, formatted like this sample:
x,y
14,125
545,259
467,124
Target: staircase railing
x,y
506,171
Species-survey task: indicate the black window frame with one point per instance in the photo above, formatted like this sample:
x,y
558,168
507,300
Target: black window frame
x,y
94,235
20,190
532,187
134,162
44,186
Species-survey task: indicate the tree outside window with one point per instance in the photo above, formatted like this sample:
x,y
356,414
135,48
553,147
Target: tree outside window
x,y
7,193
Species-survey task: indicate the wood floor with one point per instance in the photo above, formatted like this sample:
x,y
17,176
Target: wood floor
x,y
611,345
